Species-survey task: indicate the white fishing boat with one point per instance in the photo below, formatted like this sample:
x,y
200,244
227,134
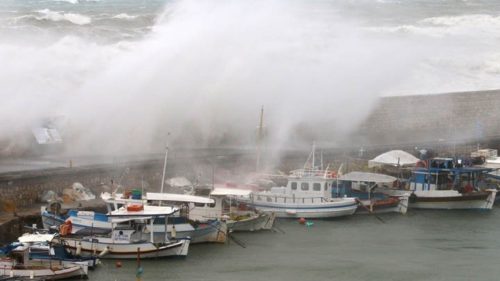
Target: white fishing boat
x,y
238,217
364,186
19,266
91,223
130,238
308,194
443,183
200,231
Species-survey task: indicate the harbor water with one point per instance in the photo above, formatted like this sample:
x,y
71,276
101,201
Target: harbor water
x,y
422,245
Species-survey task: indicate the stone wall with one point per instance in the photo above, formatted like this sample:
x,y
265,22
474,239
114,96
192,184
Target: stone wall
x,y
24,189
446,118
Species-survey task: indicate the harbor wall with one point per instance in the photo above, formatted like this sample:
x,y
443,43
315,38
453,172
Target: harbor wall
x,y
24,189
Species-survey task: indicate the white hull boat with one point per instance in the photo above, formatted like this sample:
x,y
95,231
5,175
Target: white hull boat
x,y
107,249
129,237
199,231
202,232
308,194
54,272
322,208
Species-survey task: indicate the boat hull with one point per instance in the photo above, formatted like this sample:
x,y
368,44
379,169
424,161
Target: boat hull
x,y
319,210
127,250
397,205
476,200
49,273
254,223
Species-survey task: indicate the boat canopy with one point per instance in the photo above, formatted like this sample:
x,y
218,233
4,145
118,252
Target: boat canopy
x,y
172,197
35,237
147,211
367,177
394,158
224,191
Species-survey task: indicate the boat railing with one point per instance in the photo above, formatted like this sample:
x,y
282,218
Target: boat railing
x,y
310,173
277,198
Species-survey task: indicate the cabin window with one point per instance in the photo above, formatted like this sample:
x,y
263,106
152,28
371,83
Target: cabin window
x,y
199,205
304,186
269,199
326,186
294,186
317,186
258,197
211,205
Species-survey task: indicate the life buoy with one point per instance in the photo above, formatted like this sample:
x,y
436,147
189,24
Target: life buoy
x,y
135,207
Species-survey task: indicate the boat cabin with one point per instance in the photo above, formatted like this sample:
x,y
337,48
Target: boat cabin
x,y
447,174
308,183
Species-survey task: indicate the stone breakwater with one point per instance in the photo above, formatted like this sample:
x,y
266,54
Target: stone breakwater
x,y
24,189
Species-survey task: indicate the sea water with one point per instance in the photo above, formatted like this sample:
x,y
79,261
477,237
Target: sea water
x,y
422,245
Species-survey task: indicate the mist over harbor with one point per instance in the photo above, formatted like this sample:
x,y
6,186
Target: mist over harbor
x,y
117,76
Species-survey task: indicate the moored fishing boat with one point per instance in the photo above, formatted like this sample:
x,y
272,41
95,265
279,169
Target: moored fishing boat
x,y
18,265
129,237
42,248
308,194
443,183
226,207
363,185
200,231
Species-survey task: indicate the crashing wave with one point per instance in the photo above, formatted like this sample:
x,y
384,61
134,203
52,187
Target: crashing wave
x,y
78,19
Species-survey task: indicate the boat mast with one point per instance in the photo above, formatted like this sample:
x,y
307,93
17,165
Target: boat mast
x,y
313,154
321,160
259,138
164,166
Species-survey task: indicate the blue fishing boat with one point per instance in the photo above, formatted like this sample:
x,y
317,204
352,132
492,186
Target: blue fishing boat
x,y
446,183
43,248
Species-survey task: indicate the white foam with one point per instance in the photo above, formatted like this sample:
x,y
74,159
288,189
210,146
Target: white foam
x,y
67,1
211,65
124,16
47,14
467,25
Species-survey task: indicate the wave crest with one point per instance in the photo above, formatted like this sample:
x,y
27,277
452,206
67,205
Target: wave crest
x,y
124,16
468,25
78,19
